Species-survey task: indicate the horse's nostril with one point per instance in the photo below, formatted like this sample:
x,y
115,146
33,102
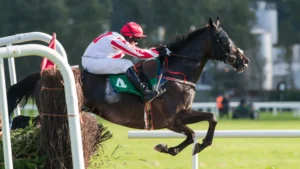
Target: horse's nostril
x,y
246,61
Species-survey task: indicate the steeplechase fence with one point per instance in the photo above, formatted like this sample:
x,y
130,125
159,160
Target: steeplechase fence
x,y
70,91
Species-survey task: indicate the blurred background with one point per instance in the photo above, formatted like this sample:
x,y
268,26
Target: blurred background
x,y
267,31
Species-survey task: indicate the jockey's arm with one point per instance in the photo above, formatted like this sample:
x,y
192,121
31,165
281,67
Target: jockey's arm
x,y
127,48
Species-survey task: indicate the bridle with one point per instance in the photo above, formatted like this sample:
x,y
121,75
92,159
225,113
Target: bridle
x,y
216,35
228,55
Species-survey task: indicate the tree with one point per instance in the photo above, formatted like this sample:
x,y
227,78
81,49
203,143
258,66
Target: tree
x,y
178,16
75,23
86,21
288,21
27,16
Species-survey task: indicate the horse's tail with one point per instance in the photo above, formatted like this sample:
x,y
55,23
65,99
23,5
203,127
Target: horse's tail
x,y
20,92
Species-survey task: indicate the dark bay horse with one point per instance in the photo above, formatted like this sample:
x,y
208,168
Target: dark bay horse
x,y
172,109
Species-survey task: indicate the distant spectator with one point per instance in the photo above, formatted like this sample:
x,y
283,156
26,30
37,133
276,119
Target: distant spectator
x,y
219,100
225,107
242,111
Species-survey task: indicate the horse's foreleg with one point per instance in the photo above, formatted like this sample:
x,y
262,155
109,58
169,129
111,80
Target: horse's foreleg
x,y
192,116
175,150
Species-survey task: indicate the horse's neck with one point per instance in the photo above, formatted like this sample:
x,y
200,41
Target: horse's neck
x,y
191,71
191,68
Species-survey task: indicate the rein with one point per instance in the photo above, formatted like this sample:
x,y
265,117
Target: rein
x,y
173,54
184,81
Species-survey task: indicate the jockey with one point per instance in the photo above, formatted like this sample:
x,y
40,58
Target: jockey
x,y
104,56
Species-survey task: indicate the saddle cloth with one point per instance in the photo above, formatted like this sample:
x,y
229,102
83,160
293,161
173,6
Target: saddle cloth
x,y
120,83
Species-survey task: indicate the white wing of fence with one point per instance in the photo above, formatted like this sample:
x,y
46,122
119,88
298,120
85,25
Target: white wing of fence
x,y
24,37
31,36
70,93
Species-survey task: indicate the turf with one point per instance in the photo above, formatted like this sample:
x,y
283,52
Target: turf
x,y
268,153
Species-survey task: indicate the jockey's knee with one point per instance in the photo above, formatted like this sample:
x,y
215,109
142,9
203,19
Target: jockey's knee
x,y
127,64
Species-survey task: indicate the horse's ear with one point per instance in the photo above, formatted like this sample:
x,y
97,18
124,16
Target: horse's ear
x,y
218,21
212,24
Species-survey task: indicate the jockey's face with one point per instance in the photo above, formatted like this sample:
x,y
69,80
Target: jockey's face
x,y
133,40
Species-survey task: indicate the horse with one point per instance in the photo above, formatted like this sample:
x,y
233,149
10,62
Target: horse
x,y
172,109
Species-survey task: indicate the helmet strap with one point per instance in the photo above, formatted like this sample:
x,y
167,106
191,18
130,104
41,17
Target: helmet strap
x,y
131,39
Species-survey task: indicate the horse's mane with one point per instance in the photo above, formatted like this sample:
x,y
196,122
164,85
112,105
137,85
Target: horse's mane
x,y
183,39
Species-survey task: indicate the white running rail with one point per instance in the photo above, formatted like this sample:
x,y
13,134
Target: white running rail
x,y
211,106
275,106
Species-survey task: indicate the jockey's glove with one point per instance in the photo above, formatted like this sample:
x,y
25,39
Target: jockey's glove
x,y
163,52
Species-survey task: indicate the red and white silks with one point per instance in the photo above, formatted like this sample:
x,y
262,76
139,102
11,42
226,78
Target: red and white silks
x,y
103,55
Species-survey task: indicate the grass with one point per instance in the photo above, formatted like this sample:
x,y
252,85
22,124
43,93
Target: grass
x,y
259,153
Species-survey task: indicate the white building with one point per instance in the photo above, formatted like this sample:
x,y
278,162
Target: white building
x,y
266,18
266,33
264,56
295,67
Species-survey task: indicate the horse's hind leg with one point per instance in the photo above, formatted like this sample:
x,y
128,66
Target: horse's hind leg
x,y
175,150
189,117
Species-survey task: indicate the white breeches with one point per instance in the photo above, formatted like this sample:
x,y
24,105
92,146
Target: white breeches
x,y
105,66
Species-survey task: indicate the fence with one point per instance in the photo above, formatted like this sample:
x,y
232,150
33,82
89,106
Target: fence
x,y
218,134
70,92
24,37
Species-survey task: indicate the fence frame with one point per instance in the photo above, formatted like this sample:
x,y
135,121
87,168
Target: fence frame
x,y
70,95
24,37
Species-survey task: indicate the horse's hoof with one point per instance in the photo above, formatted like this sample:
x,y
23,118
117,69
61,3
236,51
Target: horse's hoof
x,y
197,148
163,148
173,151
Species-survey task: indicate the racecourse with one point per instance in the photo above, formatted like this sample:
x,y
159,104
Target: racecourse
x,y
268,153
228,153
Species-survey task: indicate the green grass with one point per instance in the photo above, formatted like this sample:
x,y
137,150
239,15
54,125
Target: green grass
x,y
260,153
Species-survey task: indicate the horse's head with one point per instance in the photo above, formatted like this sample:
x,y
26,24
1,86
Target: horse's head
x,y
224,49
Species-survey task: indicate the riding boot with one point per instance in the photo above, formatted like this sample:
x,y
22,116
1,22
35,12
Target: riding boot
x,y
148,95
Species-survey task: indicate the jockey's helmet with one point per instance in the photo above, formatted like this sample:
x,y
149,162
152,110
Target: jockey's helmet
x,y
132,29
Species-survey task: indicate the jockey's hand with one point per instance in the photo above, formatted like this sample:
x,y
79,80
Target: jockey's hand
x,y
163,52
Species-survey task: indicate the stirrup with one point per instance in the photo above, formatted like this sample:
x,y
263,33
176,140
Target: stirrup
x,y
158,93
